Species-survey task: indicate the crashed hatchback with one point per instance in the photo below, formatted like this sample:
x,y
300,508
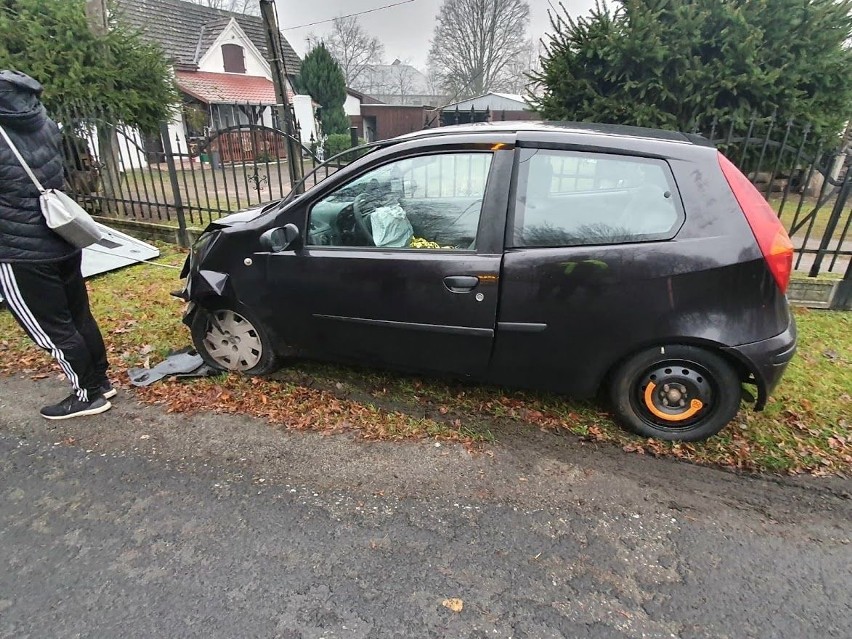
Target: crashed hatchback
x,y
581,259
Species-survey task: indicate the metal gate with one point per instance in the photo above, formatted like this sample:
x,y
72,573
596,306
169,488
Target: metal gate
x,y
168,178
807,183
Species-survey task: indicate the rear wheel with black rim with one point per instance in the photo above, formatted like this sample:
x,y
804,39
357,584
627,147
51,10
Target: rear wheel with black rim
x,y
678,393
232,340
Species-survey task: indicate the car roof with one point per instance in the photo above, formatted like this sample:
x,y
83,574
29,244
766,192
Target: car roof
x,y
557,131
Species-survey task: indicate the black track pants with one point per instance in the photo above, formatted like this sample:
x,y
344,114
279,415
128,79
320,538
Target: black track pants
x,y
50,302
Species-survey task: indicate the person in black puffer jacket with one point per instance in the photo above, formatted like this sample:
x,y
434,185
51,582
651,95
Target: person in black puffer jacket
x,y
40,276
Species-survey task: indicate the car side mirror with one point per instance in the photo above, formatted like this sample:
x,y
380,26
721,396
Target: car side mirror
x,y
280,238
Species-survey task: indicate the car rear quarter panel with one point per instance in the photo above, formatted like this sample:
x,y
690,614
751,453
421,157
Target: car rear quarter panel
x,y
707,286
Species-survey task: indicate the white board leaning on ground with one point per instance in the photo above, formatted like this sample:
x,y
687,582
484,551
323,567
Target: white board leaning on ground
x,y
115,251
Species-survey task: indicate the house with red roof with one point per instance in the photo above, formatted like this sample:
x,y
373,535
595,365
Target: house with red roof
x,y
219,61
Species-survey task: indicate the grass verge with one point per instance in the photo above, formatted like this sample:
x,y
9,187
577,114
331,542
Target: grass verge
x,y
805,428
818,225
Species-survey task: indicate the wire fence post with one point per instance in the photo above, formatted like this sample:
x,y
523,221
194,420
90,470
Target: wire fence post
x,y
177,198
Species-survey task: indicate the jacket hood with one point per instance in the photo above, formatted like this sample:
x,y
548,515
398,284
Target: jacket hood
x,y
20,107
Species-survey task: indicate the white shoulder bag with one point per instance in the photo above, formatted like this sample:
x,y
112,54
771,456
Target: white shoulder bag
x,y
63,215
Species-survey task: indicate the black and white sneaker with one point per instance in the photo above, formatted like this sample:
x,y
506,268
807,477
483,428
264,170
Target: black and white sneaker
x,y
106,389
73,407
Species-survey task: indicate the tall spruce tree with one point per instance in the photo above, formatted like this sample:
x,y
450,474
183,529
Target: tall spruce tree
x,y
677,64
322,78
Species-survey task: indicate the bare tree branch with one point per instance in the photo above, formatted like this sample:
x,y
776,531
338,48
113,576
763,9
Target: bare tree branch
x,y
478,44
353,48
519,69
402,80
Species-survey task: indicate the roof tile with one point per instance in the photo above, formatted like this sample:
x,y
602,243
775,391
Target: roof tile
x,y
225,88
179,26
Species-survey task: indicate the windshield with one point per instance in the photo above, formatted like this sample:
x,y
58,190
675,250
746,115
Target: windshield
x,y
331,166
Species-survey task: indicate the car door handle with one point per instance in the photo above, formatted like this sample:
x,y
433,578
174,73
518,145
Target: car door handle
x,y
461,283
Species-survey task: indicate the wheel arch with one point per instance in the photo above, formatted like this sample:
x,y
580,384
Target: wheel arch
x,y
745,370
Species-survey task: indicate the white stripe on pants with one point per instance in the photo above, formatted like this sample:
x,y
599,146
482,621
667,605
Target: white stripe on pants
x,y
16,302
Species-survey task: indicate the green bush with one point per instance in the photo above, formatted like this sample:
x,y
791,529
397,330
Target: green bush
x,y
338,143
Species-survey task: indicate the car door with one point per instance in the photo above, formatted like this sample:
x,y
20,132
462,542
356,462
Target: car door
x,y
419,289
585,276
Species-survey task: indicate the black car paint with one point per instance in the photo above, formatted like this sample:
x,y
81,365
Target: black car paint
x,y
540,323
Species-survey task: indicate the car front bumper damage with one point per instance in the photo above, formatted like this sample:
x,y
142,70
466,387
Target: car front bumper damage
x,y
202,286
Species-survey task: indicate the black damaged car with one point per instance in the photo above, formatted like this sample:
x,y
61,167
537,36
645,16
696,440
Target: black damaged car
x,y
572,258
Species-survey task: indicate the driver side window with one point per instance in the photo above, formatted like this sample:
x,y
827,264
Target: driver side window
x,y
430,201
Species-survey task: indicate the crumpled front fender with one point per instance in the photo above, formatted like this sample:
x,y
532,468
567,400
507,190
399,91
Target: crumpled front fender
x,y
207,283
201,288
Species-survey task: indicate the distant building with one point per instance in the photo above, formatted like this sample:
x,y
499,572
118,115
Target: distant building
x,y
491,107
397,84
379,121
219,62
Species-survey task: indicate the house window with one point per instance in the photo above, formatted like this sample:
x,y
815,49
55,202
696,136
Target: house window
x,y
234,57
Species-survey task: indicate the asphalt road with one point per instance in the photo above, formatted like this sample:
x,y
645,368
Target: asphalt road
x,y
141,524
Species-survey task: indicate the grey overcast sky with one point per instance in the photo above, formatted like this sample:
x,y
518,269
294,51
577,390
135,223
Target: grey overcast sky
x,y
405,30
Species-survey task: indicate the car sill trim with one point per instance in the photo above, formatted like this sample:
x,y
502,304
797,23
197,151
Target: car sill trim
x,y
432,328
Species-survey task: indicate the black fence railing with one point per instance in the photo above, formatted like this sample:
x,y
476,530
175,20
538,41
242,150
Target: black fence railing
x,y
233,157
807,181
175,178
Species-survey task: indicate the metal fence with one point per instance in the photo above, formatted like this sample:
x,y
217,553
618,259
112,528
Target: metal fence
x,y
806,180
186,175
174,178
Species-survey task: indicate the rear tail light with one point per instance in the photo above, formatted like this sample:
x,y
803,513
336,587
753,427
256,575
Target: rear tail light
x,y
770,234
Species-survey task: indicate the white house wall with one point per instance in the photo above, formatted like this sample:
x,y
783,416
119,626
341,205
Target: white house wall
x,y
177,134
214,62
352,106
303,106
129,146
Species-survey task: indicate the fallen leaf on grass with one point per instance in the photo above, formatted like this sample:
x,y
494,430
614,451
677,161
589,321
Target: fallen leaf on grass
x,y
837,442
456,605
594,434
